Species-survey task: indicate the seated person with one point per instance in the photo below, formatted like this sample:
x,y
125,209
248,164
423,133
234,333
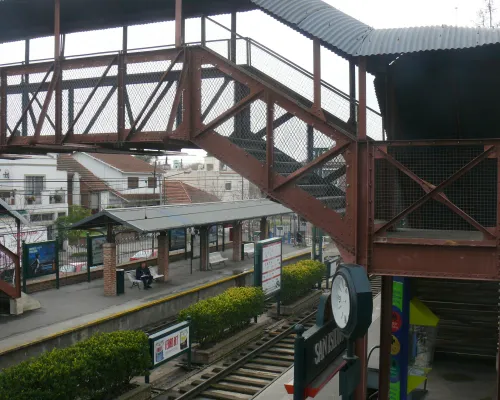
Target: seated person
x,y
142,272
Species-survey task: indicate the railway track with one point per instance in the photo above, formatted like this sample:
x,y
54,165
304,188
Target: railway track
x,y
252,369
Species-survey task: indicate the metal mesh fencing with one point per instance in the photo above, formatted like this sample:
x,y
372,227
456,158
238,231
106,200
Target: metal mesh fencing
x,y
73,258
141,80
474,193
131,246
86,109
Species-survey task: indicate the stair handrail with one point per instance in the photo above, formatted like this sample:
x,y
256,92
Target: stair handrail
x,y
291,64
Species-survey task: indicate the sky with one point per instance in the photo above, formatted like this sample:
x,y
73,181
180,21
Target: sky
x,y
278,37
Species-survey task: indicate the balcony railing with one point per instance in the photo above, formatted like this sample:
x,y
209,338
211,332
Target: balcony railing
x,y
32,200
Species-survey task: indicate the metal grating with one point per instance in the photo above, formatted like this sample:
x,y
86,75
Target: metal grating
x,y
474,192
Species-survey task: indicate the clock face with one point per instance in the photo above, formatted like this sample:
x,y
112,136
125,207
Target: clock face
x,y
341,302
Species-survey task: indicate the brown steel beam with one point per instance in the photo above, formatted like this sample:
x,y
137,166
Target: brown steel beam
x,y
361,217
153,94
445,262
318,161
8,289
232,48
385,338
441,197
269,142
181,85
3,107
70,132
352,92
122,70
276,124
230,113
317,106
216,98
437,189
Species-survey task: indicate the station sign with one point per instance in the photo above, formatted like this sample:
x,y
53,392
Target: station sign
x,y
96,254
268,265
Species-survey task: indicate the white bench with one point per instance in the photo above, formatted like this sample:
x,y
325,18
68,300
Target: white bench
x,y
131,278
249,249
154,273
216,258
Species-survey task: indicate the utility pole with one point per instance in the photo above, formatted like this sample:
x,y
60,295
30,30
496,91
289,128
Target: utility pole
x,y
242,189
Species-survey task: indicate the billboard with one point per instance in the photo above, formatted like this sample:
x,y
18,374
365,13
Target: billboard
x,y
169,343
177,239
40,259
213,235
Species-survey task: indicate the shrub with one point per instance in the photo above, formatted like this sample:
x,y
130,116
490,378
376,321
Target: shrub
x,y
95,369
298,279
214,318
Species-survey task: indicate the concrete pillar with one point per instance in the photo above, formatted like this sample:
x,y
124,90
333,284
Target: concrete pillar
x,y
204,248
237,240
263,229
163,261
109,254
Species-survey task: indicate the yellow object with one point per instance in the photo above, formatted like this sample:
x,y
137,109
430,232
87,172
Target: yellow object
x,y
415,381
421,315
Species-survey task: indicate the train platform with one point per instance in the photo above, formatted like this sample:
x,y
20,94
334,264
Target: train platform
x,y
78,305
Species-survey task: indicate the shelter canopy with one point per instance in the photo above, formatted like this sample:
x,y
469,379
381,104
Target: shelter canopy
x,y
164,218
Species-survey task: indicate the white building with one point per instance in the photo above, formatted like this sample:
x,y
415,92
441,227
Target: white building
x,y
33,186
216,178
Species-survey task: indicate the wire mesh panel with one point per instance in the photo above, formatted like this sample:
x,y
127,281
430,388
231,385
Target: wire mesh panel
x,y
21,90
88,108
474,193
141,81
131,246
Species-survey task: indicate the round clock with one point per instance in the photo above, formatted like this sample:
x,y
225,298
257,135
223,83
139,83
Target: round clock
x,y
352,302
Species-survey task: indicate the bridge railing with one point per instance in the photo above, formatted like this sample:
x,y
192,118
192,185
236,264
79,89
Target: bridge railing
x,y
248,52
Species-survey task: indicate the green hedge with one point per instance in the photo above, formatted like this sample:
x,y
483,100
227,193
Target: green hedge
x,y
298,279
95,369
214,318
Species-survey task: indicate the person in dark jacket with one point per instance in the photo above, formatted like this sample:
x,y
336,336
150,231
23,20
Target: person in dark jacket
x,y
144,274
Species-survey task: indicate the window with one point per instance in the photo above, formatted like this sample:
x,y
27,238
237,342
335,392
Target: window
x,y
133,182
61,214
228,185
41,217
210,167
34,185
223,167
5,196
152,182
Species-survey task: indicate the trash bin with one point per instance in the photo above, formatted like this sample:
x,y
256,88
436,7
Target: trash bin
x,y
120,281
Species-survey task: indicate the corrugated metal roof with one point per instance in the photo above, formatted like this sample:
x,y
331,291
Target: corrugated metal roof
x,y
162,218
347,36
410,40
318,19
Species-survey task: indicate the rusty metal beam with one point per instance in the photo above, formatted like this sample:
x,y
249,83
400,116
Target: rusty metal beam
x,y
318,161
269,142
276,124
179,39
3,107
230,113
437,189
153,94
441,197
45,107
316,108
181,84
445,262
70,132
122,70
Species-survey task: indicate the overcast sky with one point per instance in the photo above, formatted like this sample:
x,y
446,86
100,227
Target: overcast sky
x,y
290,44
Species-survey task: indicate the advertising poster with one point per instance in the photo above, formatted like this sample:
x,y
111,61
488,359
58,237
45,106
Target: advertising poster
x,y
212,235
271,267
170,345
97,252
177,239
41,259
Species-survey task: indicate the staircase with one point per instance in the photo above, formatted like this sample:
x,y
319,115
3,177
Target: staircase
x,y
311,150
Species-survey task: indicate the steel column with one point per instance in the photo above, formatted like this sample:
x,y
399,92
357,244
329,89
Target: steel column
x,y
270,143
203,30
122,69
317,78
352,92
3,107
232,56
26,89
179,39
362,215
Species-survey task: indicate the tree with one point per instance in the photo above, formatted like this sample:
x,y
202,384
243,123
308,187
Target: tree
x,y
76,214
486,15
145,157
